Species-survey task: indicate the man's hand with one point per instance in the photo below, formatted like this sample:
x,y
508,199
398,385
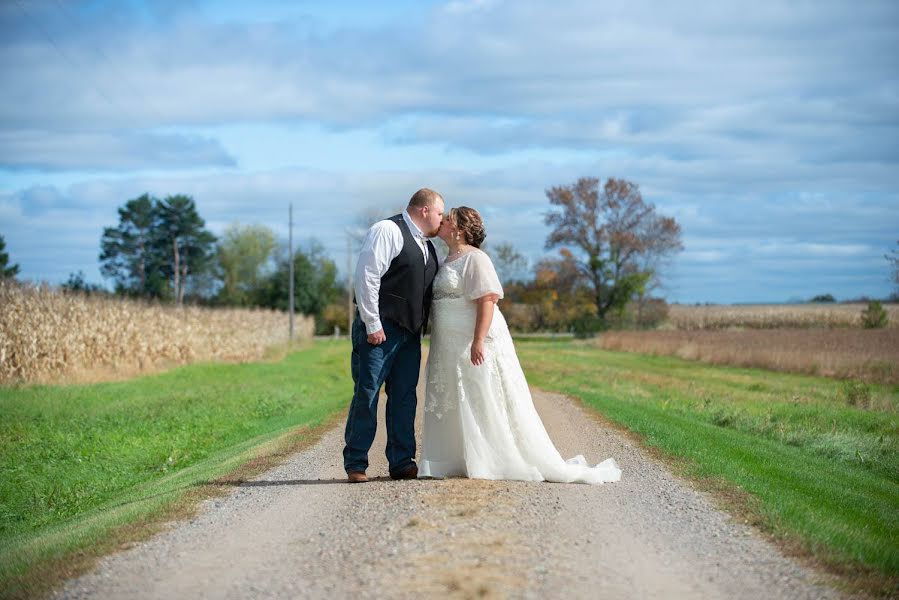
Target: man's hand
x,y
377,338
477,352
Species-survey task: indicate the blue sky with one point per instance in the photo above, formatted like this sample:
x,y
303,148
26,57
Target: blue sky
x,y
769,130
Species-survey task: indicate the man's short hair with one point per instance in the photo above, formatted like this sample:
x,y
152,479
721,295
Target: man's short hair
x,y
424,197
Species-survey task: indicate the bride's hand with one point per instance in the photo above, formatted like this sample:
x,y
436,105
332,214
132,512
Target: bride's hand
x,y
477,352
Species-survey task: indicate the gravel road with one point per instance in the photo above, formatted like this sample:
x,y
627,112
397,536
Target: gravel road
x,y
299,531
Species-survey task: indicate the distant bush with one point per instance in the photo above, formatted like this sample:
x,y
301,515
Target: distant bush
x,y
586,325
521,317
823,298
334,315
874,317
77,283
858,393
652,313
646,314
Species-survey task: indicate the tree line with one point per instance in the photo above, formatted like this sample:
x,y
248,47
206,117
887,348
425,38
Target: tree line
x,y
611,244
611,251
161,249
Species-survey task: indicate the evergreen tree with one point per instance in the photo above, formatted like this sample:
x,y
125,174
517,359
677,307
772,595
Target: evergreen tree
x,y
10,271
186,243
129,252
157,247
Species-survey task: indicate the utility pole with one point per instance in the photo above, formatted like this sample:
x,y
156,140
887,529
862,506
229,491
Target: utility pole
x,y
290,260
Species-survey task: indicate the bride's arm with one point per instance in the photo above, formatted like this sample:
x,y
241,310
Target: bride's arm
x,y
486,305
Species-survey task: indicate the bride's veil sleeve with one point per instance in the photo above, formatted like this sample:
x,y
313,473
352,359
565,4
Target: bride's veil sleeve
x,y
479,277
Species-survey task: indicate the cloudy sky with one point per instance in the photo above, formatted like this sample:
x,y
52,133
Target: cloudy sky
x,y
769,130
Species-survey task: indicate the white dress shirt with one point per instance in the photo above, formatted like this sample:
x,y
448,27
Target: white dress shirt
x,y
383,243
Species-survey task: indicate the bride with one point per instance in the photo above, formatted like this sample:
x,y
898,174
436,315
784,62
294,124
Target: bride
x,y
479,419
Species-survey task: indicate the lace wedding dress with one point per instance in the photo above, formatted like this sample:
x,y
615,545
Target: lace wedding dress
x,y
480,421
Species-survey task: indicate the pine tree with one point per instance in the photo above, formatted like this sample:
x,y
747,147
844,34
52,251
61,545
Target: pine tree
x,y
129,252
189,247
6,272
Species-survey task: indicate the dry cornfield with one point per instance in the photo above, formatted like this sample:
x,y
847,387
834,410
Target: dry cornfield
x,y
49,336
772,316
868,354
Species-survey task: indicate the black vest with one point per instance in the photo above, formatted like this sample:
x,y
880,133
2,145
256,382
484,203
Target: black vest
x,y
407,286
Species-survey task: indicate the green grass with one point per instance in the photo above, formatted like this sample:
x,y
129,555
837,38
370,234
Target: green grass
x,y
821,472
79,462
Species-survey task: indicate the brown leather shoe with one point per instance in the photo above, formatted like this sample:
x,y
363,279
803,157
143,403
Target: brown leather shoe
x,y
410,472
356,477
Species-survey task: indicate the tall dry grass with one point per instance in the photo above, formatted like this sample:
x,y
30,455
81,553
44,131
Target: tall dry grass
x,y
772,316
868,354
49,336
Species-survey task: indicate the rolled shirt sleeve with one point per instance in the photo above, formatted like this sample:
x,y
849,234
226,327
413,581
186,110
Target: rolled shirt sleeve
x,y
382,244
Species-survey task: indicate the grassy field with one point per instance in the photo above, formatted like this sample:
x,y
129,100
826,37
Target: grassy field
x,y
81,464
868,354
821,468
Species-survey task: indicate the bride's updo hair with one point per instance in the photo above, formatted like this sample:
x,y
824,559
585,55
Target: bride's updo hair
x,y
470,225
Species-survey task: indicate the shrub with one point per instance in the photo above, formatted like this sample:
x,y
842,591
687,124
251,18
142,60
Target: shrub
x,y
521,318
334,315
858,393
653,313
874,316
586,326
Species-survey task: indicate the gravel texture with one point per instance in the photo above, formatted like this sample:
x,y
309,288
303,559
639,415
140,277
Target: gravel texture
x,y
300,531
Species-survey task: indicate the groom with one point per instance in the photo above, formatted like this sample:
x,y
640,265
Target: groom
x,y
393,282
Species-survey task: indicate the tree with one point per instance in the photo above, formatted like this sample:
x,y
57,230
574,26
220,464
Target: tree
x,y
557,295
189,247
616,234
875,316
315,282
77,283
158,247
10,271
130,253
243,254
823,298
510,264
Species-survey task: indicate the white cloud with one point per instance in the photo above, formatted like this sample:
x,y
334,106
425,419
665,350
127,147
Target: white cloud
x,y
125,151
786,249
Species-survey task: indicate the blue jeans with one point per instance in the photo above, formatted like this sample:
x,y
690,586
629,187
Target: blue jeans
x,y
395,364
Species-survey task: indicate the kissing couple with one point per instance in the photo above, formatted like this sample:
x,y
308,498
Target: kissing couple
x,y
479,421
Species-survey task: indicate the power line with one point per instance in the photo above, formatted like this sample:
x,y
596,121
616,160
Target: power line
x,y
120,75
69,60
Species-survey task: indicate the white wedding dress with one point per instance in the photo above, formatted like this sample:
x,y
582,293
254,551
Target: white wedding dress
x,y
480,421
